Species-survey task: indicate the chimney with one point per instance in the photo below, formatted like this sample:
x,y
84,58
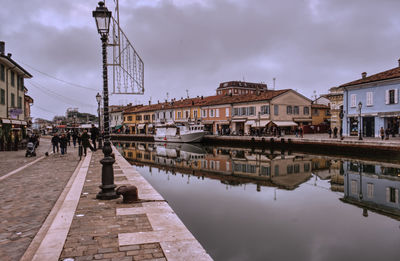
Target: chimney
x,y
149,102
9,55
364,75
2,47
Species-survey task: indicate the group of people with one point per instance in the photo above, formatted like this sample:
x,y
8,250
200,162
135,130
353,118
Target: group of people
x,y
335,132
385,134
60,142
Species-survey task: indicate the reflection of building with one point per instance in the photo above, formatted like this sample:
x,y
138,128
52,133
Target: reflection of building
x,y
375,189
231,166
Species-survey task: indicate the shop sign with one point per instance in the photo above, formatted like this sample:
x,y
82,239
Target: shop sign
x,y
14,112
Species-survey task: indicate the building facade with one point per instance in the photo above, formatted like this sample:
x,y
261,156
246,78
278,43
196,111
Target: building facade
x,y
372,103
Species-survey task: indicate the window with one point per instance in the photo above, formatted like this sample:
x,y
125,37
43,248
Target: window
x,y
353,100
276,109
370,190
129,118
211,113
153,116
289,109
243,111
12,78
370,99
306,167
392,195
195,114
186,114
227,112
315,112
296,110
289,169
265,109
170,114
354,187
252,110
276,170
235,111
179,115
306,110
2,96
296,168
217,113
391,96
20,102
2,73
139,118
204,113
12,100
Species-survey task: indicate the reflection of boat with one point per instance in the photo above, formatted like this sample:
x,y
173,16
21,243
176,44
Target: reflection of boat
x,y
179,133
173,149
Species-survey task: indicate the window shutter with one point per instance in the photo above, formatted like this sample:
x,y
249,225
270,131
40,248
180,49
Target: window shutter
x,y
396,95
397,196
387,194
387,97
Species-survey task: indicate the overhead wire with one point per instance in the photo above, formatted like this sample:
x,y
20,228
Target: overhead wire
x,y
58,79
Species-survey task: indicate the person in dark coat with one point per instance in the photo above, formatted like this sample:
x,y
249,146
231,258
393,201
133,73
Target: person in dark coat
x,y
63,144
86,142
335,132
54,141
69,138
330,132
74,138
94,134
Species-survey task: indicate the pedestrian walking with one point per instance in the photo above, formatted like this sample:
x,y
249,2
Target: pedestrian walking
x,y
74,138
69,138
63,144
387,132
335,132
301,132
382,132
85,142
94,133
330,132
54,141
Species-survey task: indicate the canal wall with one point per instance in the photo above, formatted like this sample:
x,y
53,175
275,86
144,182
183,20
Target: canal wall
x,y
386,150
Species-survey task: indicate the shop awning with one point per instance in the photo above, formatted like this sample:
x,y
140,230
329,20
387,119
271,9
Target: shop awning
x,y
5,121
284,123
238,120
262,123
388,114
222,122
24,123
303,120
249,123
207,122
140,126
15,122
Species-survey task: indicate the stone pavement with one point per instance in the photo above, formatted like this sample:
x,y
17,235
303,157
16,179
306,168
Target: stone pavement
x,y
28,196
49,212
11,160
112,231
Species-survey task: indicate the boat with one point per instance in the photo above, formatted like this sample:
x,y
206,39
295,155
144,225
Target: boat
x,y
185,132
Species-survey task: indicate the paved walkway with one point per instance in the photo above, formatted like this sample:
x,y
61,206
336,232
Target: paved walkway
x,y
49,212
28,195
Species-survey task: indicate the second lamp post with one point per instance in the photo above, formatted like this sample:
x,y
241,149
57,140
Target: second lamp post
x,y
360,121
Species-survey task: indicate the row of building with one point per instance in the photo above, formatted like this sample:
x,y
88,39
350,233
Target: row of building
x,y
238,108
364,105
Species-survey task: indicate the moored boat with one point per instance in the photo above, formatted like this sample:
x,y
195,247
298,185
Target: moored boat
x,y
179,133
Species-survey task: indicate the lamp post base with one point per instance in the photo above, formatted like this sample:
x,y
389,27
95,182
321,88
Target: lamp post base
x,y
107,175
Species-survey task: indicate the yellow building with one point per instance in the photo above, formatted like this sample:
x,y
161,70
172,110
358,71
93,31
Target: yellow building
x,y
320,114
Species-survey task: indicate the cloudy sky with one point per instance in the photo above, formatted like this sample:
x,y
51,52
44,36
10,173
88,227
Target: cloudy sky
x,y
307,45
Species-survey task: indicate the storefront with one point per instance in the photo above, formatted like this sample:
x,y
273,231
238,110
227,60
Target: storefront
x,y
353,127
368,129
12,132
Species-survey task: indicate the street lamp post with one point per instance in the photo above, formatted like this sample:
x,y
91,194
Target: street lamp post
x,y
359,120
103,17
98,99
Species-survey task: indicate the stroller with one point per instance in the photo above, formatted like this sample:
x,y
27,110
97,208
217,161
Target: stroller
x,y
30,149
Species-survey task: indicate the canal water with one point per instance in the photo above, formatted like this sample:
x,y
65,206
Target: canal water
x,y
244,204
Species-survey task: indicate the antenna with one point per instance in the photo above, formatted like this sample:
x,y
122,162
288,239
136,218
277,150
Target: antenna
x,y
187,93
167,96
274,79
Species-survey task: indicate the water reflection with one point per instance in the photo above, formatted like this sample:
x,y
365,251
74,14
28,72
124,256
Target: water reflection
x,y
244,204
368,185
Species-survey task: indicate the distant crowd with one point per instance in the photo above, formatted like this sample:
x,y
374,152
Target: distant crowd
x,y
60,142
